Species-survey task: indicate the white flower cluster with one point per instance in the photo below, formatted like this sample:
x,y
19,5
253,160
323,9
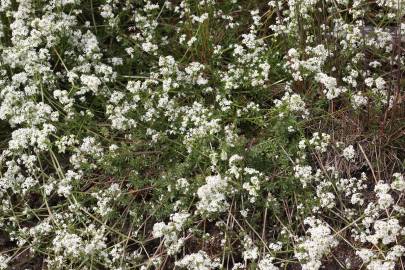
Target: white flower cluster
x,y
212,195
267,264
386,231
253,186
352,188
359,100
68,244
251,66
251,251
324,194
311,249
304,174
197,261
293,103
170,232
385,199
112,112
89,149
331,90
370,258
349,153
105,198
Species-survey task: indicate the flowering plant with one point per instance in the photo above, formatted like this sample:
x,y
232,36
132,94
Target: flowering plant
x,y
144,134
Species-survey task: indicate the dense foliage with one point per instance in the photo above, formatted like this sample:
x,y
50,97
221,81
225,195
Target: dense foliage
x,y
235,134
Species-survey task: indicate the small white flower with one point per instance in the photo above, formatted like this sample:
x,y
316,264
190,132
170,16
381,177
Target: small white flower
x,y
349,153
